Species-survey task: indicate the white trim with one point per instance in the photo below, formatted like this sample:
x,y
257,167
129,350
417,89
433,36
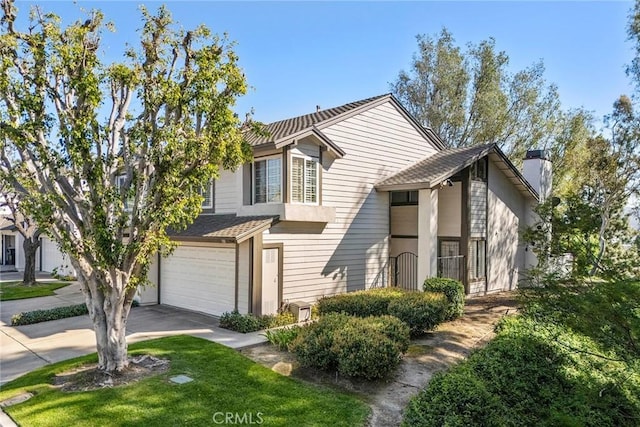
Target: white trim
x,y
305,158
210,191
253,179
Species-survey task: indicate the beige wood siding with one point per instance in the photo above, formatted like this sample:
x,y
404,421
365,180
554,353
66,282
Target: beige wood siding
x,y
226,194
349,253
450,210
478,209
505,254
404,221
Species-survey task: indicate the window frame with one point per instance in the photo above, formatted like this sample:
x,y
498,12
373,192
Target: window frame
x,y
476,261
253,179
210,191
128,202
409,201
305,159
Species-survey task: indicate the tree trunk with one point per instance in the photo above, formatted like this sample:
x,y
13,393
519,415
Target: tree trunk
x,y
30,246
108,300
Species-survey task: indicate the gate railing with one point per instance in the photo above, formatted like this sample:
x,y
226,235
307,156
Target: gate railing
x,y
404,271
451,267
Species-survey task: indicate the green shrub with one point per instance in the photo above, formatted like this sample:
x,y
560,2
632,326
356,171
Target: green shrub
x,y
282,337
245,323
37,316
362,349
393,328
453,290
312,346
359,347
421,311
372,302
280,319
241,322
457,398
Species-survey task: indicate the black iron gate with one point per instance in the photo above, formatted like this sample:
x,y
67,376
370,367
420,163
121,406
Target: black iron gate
x,y
405,271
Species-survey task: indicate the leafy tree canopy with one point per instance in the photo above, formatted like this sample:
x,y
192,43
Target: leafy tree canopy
x,y
112,154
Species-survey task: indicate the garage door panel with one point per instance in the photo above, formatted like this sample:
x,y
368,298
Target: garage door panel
x,y
200,279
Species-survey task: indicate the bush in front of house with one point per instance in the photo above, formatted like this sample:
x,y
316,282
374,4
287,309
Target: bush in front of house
x,y
368,347
454,398
373,302
37,316
245,323
452,289
420,311
312,346
57,313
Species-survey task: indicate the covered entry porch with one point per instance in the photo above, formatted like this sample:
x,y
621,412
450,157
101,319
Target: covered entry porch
x,y
459,214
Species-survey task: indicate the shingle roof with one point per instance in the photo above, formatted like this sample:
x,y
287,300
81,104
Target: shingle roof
x,y
433,170
437,167
283,128
224,227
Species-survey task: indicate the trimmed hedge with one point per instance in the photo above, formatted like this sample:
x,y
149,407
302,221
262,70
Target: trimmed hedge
x,y
421,311
37,316
374,302
245,323
369,347
453,290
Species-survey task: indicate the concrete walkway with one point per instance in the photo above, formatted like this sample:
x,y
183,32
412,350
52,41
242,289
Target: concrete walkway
x,y
25,348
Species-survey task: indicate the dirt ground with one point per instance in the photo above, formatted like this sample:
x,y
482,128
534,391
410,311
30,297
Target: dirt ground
x,y
427,355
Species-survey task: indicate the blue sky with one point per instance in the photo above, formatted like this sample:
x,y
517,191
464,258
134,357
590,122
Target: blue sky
x,y
297,55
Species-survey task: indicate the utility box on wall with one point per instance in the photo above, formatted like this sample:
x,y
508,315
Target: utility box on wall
x,y
301,310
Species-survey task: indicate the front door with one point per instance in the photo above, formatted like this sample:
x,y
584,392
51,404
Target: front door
x,y
270,280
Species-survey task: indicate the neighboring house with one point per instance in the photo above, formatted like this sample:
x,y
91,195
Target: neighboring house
x,y
350,198
49,256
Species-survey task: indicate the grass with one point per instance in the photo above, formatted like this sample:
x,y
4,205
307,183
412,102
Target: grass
x,y
15,290
224,382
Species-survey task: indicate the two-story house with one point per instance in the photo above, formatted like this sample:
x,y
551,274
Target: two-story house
x,y
350,198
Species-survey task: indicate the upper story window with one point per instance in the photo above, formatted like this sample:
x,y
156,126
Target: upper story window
x,y
304,180
267,180
479,170
206,191
128,202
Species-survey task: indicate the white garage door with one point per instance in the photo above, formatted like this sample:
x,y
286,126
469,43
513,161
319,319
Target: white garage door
x,y
200,279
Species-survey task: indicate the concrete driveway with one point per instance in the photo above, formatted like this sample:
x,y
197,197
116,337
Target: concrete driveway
x,y
25,348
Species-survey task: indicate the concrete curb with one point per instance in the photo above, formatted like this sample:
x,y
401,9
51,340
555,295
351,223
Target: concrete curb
x,y
6,421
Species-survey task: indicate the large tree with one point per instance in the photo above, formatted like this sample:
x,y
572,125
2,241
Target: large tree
x,y
26,226
590,217
468,96
113,154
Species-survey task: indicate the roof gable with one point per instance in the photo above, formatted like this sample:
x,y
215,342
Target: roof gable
x,y
286,131
437,168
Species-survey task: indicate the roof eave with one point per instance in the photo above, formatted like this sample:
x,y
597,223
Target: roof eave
x,y
404,186
315,132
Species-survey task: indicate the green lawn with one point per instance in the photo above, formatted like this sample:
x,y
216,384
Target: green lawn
x,y
224,382
15,290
